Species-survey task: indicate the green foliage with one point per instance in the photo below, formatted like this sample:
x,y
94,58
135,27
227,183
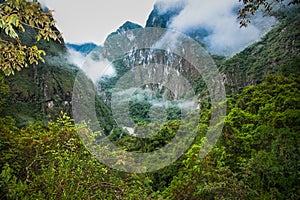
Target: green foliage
x,y
50,162
257,156
161,135
4,90
16,16
139,111
250,7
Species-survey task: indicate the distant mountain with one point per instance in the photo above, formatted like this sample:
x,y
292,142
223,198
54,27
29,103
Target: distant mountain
x,y
125,27
85,48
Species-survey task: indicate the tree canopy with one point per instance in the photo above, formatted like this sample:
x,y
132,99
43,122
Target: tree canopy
x,y
250,7
18,16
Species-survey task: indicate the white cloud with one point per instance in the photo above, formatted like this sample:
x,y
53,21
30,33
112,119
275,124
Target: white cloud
x,y
94,69
76,58
164,5
226,37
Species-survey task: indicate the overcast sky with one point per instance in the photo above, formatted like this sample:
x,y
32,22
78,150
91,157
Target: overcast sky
x,y
92,20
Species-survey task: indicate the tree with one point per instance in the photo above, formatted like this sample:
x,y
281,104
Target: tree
x,y
18,16
250,7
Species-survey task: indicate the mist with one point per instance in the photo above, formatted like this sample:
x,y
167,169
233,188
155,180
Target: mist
x,y
219,18
95,69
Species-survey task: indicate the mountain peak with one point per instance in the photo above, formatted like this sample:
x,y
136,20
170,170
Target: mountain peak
x,y
125,27
128,25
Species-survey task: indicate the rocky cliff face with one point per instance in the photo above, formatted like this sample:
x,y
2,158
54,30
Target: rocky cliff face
x,y
40,91
44,89
140,64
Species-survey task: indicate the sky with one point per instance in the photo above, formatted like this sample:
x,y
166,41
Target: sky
x,y
92,20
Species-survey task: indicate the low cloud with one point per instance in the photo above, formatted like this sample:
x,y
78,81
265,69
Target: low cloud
x,y
164,5
219,18
95,69
76,58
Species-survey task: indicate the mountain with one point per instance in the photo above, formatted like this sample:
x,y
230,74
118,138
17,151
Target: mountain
x,y
125,27
277,52
85,48
271,54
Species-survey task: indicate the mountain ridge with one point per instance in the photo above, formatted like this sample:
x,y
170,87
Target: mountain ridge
x,y
84,48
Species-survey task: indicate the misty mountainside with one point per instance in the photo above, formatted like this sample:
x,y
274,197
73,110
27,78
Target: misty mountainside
x,y
276,52
163,18
217,29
